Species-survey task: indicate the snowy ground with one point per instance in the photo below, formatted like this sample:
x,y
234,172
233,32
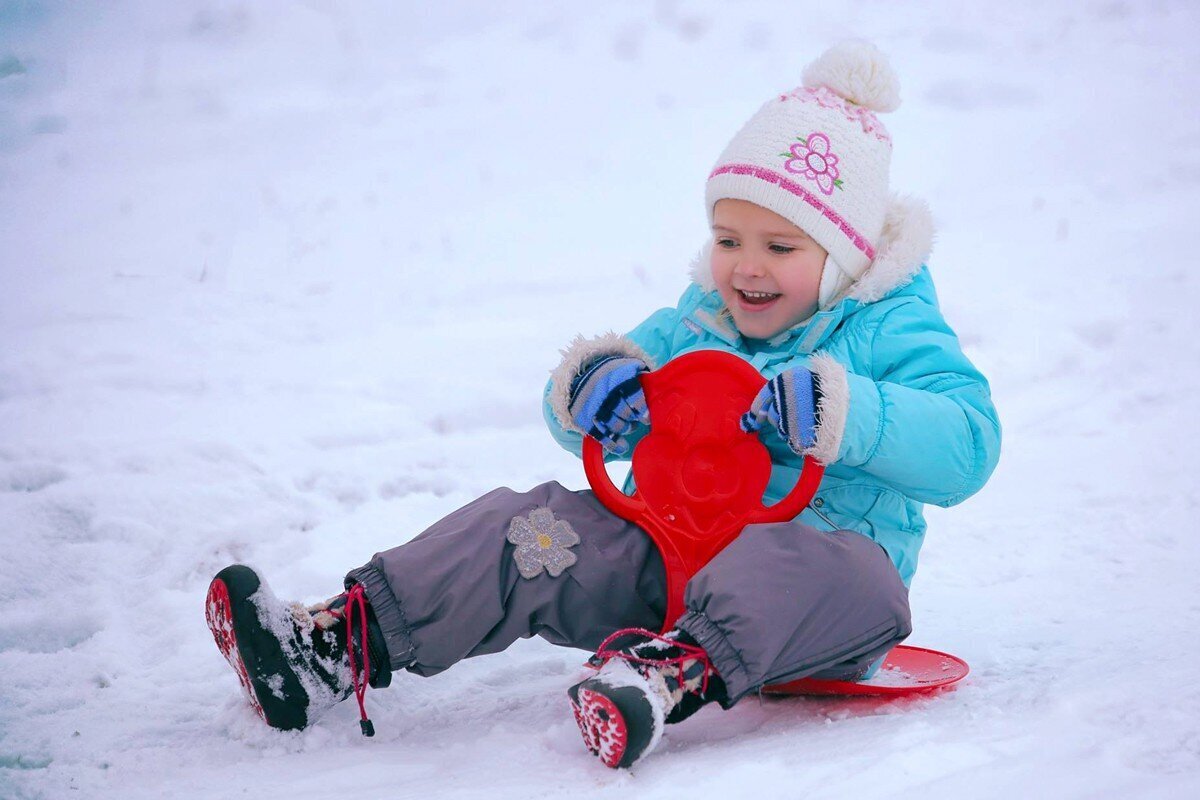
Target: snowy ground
x,y
248,252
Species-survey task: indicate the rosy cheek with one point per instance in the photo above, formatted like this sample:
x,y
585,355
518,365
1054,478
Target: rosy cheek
x,y
720,271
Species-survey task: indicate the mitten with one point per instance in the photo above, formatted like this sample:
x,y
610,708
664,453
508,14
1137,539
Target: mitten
x,y
789,402
607,400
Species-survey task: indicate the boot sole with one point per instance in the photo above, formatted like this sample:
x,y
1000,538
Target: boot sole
x,y
603,713
220,621
252,650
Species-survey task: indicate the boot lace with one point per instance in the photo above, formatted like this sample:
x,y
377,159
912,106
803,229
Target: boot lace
x,y
356,598
689,654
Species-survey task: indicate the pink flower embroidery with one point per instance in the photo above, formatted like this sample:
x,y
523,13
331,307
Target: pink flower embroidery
x,y
812,159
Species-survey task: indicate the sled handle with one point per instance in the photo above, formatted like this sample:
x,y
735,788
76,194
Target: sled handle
x,y
790,507
625,506
633,507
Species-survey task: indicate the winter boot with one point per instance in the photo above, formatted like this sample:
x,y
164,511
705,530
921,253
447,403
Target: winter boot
x,y
296,662
645,681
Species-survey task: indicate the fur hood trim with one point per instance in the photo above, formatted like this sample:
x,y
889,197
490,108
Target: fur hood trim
x,y
903,247
700,270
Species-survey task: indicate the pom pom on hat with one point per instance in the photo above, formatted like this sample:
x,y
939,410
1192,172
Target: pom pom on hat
x,y
859,72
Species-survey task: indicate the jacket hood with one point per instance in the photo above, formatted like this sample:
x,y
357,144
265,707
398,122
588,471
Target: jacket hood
x,y
902,249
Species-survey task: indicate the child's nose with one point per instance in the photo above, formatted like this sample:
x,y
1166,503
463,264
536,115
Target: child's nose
x,y
750,266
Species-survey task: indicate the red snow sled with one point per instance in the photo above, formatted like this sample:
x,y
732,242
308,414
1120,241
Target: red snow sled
x,y
700,480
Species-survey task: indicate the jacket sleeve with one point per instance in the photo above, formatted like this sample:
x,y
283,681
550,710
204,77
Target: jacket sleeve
x,y
651,341
923,420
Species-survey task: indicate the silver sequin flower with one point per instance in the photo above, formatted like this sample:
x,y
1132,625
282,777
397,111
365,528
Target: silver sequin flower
x,y
542,543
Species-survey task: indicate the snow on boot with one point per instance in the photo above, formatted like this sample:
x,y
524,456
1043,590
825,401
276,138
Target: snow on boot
x,y
295,662
649,682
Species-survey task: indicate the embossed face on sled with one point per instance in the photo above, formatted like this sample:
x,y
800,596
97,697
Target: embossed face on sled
x,y
696,467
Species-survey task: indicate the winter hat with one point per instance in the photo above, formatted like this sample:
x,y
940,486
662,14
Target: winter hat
x,y
819,157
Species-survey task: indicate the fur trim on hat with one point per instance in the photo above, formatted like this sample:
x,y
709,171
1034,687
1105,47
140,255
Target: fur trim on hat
x,y
832,409
577,356
903,248
859,72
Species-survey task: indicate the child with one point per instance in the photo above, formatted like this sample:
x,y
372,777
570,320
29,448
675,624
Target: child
x,y
816,277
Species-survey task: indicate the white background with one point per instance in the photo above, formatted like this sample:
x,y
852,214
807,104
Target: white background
x,y
281,282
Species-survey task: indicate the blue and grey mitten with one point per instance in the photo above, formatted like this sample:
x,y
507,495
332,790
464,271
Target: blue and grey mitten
x,y
607,400
789,402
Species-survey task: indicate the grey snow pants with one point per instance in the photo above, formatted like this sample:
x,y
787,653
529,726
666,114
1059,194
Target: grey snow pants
x,y
782,601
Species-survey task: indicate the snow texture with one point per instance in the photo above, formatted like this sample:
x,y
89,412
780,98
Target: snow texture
x,y
282,283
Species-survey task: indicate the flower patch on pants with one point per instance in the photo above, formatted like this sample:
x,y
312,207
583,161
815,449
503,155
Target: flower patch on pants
x,y
542,542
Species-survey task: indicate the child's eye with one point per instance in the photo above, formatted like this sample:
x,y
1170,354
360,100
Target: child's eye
x,y
726,243
781,249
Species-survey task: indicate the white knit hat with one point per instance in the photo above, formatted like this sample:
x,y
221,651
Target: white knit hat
x,y
819,157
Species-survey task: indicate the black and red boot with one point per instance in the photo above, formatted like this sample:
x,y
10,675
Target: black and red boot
x,y
645,681
295,662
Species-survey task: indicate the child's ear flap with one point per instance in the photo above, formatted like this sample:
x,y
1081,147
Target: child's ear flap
x,y
904,246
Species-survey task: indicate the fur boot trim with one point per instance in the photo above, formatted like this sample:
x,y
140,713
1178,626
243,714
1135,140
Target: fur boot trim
x,y
832,409
576,357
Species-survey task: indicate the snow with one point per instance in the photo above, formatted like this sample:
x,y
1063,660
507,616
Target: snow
x,y
281,283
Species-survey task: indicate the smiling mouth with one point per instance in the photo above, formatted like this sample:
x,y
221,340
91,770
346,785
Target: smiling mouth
x,y
756,298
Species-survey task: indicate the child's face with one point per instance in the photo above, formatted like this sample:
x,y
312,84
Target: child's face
x,y
767,270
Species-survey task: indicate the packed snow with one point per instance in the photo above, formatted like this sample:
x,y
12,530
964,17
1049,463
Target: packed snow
x,y
281,283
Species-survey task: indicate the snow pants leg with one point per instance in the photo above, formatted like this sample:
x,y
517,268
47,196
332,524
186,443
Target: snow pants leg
x,y
455,591
782,601
786,601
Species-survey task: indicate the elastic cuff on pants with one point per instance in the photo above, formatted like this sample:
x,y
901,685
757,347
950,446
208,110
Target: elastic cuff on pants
x,y
724,657
401,651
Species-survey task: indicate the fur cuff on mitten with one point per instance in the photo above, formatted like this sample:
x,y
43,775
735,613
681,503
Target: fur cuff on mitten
x,y
832,407
577,357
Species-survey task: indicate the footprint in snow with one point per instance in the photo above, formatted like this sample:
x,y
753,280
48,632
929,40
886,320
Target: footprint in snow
x,y
29,477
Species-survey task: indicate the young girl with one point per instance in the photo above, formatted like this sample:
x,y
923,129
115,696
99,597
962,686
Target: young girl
x,y
816,277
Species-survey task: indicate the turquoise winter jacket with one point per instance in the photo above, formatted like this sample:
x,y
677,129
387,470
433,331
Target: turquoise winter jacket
x,y
906,419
